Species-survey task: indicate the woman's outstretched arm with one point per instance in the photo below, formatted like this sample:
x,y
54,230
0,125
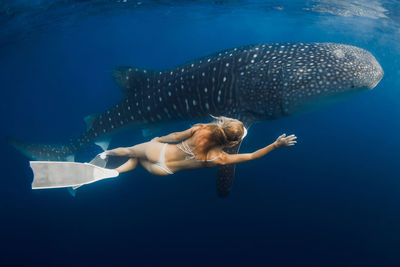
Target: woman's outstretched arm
x,y
282,140
176,137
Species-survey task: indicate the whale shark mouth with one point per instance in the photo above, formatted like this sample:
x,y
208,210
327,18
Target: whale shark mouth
x,y
373,85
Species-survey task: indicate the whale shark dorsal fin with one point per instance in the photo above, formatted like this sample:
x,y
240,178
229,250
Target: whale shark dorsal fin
x,y
131,78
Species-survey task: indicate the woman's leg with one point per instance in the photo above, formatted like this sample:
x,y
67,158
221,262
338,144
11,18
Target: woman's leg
x,y
119,152
149,151
137,151
128,166
145,153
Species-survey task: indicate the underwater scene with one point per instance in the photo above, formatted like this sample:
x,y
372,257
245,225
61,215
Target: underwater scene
x,y
82,77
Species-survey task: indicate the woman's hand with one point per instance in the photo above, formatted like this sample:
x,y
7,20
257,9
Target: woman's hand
x,y
284,140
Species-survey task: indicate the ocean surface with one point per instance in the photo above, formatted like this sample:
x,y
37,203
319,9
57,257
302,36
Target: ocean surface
x,y
331,200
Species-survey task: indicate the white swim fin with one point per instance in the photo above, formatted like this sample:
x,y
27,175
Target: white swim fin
x,y
57,174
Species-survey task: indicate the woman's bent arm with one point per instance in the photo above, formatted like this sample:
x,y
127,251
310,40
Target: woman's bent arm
x,y
175,137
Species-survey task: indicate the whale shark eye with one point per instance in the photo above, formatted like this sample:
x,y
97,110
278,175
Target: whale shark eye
x,y
352,86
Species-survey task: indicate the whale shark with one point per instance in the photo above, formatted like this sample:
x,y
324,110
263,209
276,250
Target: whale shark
x,y
251,83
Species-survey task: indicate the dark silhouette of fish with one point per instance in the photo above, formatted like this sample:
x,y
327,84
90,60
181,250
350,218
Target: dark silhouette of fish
x,y
250,83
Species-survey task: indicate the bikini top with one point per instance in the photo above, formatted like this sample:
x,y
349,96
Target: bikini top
x,y
185,148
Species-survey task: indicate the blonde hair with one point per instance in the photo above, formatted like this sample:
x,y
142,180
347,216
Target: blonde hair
x,y
223,131
227,131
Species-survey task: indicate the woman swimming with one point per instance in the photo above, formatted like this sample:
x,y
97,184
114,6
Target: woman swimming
x,y
198,147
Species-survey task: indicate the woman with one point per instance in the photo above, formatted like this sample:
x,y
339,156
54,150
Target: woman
x,y
198,147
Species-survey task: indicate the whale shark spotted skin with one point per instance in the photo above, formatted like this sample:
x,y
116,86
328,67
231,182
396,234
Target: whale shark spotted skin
x,y
251,83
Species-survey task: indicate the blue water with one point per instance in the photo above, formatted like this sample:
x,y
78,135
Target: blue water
x,y
332,200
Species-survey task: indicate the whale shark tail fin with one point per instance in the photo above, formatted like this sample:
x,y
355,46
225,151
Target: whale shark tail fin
x,y
43,151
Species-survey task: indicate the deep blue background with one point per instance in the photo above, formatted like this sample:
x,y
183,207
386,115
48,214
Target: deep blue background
x,y
332,200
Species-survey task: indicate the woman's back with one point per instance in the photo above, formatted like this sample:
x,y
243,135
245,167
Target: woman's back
x,y
194,152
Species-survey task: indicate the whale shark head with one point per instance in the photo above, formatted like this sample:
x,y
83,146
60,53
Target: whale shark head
x,y
328,74
364,71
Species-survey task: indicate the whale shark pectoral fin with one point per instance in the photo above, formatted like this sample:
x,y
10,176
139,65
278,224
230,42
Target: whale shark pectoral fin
x,y
131,78
89,120
104,143
225,174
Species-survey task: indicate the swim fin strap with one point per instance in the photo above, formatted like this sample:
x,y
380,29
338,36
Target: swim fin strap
x,y
58,174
